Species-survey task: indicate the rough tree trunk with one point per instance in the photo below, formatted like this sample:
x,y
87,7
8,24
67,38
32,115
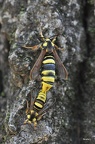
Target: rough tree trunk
x,y
72,119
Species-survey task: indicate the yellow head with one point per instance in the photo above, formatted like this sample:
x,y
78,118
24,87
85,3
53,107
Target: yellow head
x,y
31,118
48,45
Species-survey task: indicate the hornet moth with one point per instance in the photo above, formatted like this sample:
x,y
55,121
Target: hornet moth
x,y
47,60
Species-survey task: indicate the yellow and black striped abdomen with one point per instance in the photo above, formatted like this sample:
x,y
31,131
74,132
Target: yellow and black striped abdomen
x,y
40,101
48,78
48,70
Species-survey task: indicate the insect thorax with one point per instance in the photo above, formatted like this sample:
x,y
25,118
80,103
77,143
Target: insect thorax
x,y
48,45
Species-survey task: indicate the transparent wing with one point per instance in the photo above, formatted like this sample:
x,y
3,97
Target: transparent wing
x,y
62,72
45,109
36,68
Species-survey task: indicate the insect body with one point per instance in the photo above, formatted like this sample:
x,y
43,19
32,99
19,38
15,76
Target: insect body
x,y
48,71
47,60
32,112
48,78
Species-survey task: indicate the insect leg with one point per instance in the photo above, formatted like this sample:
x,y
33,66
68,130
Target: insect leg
x,y
54,39
41,35
61,49
34,48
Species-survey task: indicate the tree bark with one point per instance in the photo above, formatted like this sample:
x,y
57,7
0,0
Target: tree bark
x,y
71,120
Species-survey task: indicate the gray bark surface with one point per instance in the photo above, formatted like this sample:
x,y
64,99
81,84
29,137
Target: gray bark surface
x,y
72,119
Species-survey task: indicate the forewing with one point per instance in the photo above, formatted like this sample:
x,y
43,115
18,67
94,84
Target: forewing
x,y
45,109
36,68
62,72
